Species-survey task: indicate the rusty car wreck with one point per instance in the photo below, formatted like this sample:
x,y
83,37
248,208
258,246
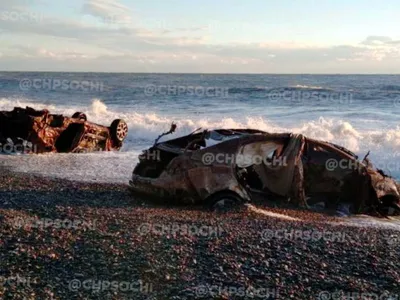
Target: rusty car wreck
x,y
293,169
57,133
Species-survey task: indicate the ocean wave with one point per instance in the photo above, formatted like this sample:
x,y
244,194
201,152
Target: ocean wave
x,y
247,90
144,127
310,87
258,89
148,125
390,87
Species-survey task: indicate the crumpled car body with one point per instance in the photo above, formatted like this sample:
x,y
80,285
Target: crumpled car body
x,y
290,167
45,132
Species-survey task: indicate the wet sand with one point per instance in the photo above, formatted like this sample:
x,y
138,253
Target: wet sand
x,y
74,240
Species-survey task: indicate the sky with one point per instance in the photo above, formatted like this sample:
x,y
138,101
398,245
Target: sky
x,y
208,36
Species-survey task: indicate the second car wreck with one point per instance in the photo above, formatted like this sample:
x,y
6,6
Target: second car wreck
x,y
47,132
219,168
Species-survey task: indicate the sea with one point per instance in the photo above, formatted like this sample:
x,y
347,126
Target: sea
x,y
359,112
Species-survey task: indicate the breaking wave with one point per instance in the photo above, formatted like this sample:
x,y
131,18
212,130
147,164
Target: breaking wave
x,y
148,125
144,127
309,87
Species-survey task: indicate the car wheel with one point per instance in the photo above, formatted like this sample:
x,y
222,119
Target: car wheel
x,y
225,201
118,130
79,115
389,205
145,170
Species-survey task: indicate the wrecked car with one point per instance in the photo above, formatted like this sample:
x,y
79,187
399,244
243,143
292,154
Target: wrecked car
x,y
46,132
218,168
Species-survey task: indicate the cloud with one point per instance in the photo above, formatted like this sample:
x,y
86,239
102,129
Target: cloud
x,y
65,29
204,58
30,52
379,48
187,29
108,11
374,40
187,49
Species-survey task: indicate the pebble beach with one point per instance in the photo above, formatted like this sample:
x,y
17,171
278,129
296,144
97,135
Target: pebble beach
x,y
64,239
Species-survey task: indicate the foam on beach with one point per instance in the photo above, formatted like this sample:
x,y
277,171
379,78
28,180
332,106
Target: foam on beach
x,y
271,214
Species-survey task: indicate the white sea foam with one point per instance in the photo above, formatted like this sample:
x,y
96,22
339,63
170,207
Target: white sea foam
x,y
309,87
145,126
271,214
368,221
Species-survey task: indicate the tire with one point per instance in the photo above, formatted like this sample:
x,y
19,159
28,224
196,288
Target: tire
x,y
389,205
225,201
118,130
145,170
79,115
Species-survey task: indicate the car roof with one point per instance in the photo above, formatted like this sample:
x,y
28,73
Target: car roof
x,y
248,136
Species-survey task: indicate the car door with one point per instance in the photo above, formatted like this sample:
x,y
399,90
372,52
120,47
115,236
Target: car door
x,y
324,169
272,162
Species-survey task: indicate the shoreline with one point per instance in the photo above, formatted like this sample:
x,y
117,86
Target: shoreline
x,y
100,237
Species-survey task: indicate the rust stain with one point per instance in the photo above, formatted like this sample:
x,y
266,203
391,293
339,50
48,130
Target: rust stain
x,y
303,176
58,133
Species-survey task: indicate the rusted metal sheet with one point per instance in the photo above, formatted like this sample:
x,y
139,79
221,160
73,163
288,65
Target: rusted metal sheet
x,y
58,133
304,174
207,181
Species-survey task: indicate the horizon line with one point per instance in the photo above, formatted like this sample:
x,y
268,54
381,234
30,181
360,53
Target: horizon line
x,y
202,73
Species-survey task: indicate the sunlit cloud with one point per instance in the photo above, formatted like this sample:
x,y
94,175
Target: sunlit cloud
x,y
125,46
